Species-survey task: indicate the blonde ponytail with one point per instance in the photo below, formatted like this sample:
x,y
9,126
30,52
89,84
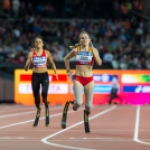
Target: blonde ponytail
x,y
75,46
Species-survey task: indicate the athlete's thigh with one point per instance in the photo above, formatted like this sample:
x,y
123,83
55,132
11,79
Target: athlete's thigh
x,y
45,83
35,84
89,91
78,89
90,85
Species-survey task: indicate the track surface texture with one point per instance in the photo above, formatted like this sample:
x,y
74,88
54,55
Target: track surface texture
x,y
112,128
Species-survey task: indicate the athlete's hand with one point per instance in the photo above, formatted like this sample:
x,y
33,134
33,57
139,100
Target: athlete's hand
x,y
91,45
70,74
56,76
26,68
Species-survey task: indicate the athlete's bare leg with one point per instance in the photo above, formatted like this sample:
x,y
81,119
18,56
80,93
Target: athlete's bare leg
x,y
78,91
89,92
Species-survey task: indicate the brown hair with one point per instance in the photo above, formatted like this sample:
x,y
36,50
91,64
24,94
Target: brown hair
x,y
38,37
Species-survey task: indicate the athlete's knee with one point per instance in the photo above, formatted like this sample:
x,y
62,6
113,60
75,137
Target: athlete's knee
x,y
37,99
44,94
76,105
88,107
37,103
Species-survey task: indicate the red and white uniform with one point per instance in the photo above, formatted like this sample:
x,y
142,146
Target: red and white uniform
x,y
39,61
84,57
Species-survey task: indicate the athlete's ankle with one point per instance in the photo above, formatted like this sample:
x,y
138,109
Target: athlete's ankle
x,y
38,107
46,105
87,112
74,108
71,102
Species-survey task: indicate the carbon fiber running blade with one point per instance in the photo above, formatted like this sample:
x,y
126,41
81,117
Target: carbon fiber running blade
x,y
86,123
64,117
37,117
47,116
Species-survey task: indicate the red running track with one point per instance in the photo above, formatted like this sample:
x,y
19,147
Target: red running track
x,y
112,128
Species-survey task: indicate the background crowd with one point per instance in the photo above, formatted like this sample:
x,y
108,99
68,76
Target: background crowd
x,y
121,37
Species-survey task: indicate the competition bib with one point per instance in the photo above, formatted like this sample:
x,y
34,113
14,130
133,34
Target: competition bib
x,y
84,57
39,61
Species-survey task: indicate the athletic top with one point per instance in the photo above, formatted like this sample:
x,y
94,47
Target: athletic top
x,y
84,58
39,61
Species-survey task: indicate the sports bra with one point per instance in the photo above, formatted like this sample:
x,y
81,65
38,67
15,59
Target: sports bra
x,y
84,57
39,61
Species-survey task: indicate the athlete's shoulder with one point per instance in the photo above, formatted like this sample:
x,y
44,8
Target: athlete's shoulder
x,y
74,51
48,53
32,50
31,53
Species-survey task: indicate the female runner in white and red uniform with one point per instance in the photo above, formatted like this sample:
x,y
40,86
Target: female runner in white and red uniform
x,y
39,56
85,55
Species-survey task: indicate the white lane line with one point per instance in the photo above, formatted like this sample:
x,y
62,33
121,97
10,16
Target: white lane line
x,y
28,108
77,130
136,129
19,123
17,114
11,110
111,140
44,140
84,138
100,140
20,141
9,138
22,113
18,108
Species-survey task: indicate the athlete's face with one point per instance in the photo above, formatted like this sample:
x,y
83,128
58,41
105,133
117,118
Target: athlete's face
x,y
84,39
38,43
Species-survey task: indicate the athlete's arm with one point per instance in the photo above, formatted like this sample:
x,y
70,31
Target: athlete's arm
x,y
68,57
97,57
50,60
28,62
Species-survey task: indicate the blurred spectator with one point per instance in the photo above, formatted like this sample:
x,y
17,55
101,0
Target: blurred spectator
x,y
128,5
113,92
6,6
137,5
15,7
30,8
122,42
116,8
108,56
22,9
50,11
68,9
123,9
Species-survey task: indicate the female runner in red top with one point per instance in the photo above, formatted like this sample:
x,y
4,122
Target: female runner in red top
x,y
85,54
39,57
